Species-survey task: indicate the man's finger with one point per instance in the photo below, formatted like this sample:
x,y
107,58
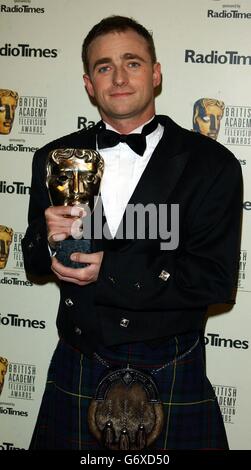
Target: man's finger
x,y
65,211
89,258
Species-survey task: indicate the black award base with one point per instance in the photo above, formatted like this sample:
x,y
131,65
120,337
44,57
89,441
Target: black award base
x,y
69,246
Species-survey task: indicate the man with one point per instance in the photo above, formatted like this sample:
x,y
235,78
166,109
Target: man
x,y
207,115
128,371
8,104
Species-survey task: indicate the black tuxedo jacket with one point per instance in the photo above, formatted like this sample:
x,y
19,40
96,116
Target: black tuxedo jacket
x,y
131,301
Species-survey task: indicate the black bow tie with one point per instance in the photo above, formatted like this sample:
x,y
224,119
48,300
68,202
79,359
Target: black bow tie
x,y
137,142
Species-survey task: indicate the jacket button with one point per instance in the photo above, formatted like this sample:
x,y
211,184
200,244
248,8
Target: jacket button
x,y
137,285
112,279
77,330
124,322
68,302
164,275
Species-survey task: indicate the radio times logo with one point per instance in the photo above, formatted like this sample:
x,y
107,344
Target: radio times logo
x,y
214,340
231,14
10,446
216,57
27,51
30,116
11,258
20,9
84,124
227,399
14,320
228,12
16,187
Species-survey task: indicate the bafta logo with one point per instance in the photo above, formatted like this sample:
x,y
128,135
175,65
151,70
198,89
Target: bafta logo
x,y
8,104
6,235
207,115
3,370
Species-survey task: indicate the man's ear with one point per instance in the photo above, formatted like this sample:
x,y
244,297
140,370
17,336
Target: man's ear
x,y
88,85
156,74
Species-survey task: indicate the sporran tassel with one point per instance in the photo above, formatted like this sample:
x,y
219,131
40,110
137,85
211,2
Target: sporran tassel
x,y
141,437
108,434
124,440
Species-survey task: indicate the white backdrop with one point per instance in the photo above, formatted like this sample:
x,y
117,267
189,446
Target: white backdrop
x,y
40,59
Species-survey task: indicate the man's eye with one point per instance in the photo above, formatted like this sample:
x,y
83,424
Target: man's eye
x,y
103,69
133,65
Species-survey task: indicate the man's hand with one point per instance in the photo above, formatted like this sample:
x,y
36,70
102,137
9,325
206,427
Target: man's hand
x,y
80,276
63,221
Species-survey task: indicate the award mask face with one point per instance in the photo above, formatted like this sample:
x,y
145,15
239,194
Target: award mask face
x,y
3,370
73,176
6,235
208,113
8,104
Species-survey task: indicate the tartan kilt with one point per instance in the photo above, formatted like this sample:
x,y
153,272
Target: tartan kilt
x,y
192,415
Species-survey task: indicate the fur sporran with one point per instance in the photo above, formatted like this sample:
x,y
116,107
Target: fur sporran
x,y
126,412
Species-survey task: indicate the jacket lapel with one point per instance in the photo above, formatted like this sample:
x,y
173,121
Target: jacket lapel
x,y
162,172
164,168
86,140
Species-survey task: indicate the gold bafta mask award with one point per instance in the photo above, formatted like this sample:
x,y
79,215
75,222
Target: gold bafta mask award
x,y
73,178
3,370
6,235
207,116
8,104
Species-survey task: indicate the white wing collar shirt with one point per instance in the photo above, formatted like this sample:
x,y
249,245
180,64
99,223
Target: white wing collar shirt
x,y
123,169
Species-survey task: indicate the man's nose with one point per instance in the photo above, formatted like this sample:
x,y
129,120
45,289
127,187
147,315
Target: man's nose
x,y
120,76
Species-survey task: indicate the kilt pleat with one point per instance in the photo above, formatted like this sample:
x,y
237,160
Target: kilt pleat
x,y
192,415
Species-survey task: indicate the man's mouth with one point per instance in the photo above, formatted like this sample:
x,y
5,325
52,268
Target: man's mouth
x,y
121,94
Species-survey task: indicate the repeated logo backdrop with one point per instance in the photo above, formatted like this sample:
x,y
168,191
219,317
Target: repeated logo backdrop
x,y
204,50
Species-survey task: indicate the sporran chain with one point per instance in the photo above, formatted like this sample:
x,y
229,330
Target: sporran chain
x,y
154,371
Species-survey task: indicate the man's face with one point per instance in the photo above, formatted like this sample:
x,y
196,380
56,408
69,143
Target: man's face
x,y
8,105
209,122
122,77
